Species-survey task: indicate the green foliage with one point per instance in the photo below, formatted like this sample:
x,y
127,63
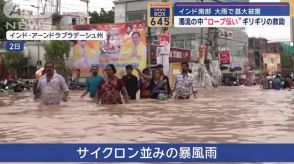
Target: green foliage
x,y
102,17
286,61
286,56
15,62
55,52
4,20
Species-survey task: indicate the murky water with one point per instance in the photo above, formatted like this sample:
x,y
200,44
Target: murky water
x,y
227,114
223,115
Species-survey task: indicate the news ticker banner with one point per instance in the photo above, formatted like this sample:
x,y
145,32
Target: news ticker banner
x,y
146,152
235,14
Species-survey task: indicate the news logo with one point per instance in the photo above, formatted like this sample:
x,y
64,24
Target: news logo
x,y
160,14
12,10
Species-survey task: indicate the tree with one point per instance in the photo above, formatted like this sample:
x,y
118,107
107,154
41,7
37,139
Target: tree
x,y
56,51
4,20
286,61
102,17
287,53
15,62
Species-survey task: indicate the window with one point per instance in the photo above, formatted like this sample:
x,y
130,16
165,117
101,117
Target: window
x,y
136,15
73,21
188,44
179,44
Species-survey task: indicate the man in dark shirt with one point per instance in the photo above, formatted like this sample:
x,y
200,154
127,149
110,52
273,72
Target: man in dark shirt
x,y
131,82
160,68
277,83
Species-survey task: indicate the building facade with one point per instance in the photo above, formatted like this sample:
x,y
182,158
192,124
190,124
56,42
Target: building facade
x,y
188,38
256,47
34,49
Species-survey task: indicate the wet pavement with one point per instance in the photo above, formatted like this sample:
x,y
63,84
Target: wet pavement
x,y
222,115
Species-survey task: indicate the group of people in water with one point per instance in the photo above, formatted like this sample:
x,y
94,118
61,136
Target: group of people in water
x,y
109,89
276,82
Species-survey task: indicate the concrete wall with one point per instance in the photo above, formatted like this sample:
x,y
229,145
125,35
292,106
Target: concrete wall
x,y
31,51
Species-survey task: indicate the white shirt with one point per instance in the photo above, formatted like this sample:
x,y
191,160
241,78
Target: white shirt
x,y
51,91
185,85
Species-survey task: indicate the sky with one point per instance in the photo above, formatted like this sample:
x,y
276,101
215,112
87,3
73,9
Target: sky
x,y
272,34
72,5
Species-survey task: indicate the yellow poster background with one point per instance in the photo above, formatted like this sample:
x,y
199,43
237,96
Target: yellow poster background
x,y
175,69
125,44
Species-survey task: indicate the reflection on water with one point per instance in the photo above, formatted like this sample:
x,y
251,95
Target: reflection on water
x,y
226,114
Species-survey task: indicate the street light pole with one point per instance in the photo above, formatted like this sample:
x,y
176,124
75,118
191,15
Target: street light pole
x,y
87,3
149,46
38,41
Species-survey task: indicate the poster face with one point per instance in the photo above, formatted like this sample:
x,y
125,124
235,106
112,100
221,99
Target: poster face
x,y
202,53
125,44
163,44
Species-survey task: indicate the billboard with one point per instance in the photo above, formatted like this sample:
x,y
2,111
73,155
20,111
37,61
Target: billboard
x,y
163,44
224,57
163,50
272,62
125,44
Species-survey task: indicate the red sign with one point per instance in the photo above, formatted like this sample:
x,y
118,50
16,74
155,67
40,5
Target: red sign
x,y
224,57
163,43
176,54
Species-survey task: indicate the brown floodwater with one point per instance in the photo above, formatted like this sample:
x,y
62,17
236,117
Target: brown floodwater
x,y
222,115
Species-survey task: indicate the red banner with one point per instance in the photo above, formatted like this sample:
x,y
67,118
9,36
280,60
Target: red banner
x,y
224,57
163,43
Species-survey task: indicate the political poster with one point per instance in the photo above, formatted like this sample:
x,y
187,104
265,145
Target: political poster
x,y
224,57
163,50
272,62
202,54
125,44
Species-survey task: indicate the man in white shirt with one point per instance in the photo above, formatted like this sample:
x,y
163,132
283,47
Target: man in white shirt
x,y
185,85
51,85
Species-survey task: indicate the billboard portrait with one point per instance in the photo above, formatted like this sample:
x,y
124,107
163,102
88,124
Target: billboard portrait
x,y
272,61
125,44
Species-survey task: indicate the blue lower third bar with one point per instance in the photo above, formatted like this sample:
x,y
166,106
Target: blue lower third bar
x,y
146,152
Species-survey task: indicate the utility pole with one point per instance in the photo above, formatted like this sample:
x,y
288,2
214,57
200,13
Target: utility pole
x,y
58,6
87,3
88,6
38,41
149,46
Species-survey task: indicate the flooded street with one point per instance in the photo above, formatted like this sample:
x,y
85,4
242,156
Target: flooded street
x,y
223,115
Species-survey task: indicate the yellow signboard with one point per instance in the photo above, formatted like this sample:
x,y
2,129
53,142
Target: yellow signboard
x,y
175,69
291,2
160,14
